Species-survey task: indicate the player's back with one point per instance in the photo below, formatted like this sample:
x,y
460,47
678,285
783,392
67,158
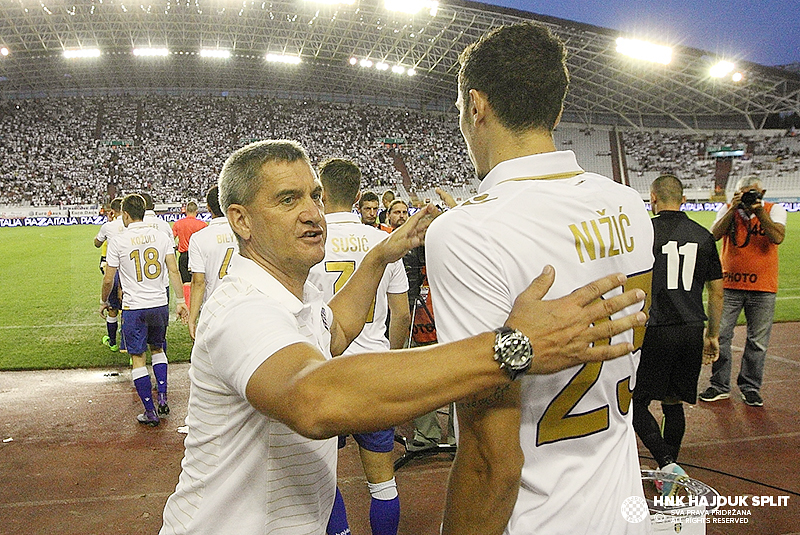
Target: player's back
x,y
140,253
211,250
575,428
685,258
347,243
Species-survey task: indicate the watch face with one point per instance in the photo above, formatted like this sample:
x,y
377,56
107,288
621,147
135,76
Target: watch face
x,y
514,351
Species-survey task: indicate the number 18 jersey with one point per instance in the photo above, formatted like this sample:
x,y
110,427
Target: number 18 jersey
x,y
140,253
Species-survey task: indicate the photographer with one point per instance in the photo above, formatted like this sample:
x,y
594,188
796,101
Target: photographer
x,y
751,230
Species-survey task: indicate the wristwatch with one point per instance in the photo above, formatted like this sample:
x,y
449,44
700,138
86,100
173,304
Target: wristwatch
x,y
513,351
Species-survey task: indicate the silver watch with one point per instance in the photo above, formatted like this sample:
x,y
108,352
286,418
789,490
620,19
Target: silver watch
x,y
513,351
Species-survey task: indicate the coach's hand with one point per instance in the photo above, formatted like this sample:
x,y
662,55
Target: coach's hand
x,y
563,330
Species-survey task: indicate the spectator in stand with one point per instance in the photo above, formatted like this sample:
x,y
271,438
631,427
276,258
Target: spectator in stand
x,y
368,208
211,251
751,231
183,229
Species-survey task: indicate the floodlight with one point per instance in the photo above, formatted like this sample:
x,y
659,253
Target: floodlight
x,y
412,6
150,52
353,61
398,69
411,72
280,58
215,53
83,53
643,50
4,51
721,69
365,63
381,66
737,77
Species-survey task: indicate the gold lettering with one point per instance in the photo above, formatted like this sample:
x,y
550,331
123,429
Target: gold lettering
x,y
628,245
585,239
612,249
599,238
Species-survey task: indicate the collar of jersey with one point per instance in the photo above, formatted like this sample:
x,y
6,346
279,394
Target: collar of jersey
x,y
137,224
342,217
265,283
548,166
218,221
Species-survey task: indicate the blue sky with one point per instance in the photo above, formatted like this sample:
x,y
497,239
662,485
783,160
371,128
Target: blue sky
x,y
761,31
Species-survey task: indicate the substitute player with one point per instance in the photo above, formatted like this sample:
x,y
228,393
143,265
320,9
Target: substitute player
x,y
674,346
210,253
110,228
145,259
346,244
567,435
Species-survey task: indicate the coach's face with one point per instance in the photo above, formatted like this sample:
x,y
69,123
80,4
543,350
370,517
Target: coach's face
x,y
286,222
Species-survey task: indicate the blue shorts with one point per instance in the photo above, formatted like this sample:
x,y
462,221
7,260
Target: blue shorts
x,y
378,442
113,298
144,326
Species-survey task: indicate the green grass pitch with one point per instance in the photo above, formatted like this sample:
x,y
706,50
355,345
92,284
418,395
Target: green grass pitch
x,y
50,292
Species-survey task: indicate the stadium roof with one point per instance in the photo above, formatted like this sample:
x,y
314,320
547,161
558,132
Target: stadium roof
x,y
606,88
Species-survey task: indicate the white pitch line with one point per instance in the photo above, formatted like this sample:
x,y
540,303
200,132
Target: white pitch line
x,y
51,326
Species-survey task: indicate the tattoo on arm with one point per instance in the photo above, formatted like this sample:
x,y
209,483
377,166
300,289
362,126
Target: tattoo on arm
x,y
487,401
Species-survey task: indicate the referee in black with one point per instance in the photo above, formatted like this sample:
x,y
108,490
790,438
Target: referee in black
x,y
675,346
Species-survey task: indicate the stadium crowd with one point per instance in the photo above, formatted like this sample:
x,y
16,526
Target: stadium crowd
x,y
67,151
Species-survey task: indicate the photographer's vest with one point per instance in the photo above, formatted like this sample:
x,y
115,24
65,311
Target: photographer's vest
x,y
749,258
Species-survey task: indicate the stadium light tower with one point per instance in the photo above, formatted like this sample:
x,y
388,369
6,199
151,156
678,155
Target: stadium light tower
x,y
283,58
721,69
643,50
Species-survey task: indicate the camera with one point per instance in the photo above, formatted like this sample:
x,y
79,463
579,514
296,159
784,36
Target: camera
x,y
749,198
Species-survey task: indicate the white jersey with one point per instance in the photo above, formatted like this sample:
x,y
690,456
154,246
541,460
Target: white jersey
x,y
140,255
110,229
152,220
243,472
581,458
210,252
346,245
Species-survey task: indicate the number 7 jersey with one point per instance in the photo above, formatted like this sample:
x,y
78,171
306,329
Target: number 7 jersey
x,y
581,459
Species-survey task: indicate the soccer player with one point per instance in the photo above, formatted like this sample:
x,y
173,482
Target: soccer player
x,y
210,253
674,346
267,398
152,220
145,259
346,245
551,453
110,228
183,229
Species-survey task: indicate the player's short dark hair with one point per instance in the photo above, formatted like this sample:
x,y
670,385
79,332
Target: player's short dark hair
x,y
523,72
212,200
116,204
368,196
148,201
341,180
240,178
668,189
134,206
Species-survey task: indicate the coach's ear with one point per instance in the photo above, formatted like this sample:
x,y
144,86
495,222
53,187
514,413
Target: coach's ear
x,y
239,220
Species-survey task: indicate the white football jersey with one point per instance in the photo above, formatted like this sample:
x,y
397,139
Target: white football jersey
x,y
110,229
346,244
140,255
152,220
581,459
210,252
